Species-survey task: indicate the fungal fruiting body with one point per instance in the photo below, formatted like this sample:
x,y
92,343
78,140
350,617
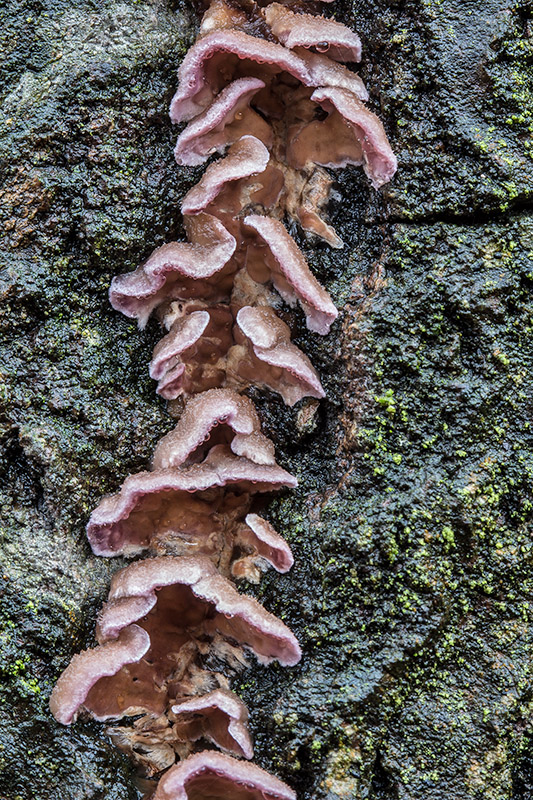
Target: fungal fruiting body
x,y
266,89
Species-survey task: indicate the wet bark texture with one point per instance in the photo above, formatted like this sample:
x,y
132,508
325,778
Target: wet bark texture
x,y
412,591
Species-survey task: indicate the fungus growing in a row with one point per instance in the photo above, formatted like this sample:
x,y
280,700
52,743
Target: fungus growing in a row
x,y
264,81
271,256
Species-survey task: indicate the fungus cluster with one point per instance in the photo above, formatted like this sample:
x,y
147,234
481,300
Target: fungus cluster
x,y
266,89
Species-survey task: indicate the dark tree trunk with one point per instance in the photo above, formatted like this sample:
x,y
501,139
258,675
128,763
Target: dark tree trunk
x,y
412,589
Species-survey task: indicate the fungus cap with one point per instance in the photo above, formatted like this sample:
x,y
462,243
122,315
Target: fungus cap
x,y
219,716
276,362
217,776
247,156
86,669
258,537
311,31
178,270
378,160
199,84
290,274
150,503
222,123
212,602
191,357
212,412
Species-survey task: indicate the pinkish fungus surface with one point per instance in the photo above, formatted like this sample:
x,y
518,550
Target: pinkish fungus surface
x,y
277,257
203,71
171,503
271,359
194,600
219,416
191,358
201,268
219,777
223,122
90,681
345,109
219,717
160,613
261,546
247,156
310,31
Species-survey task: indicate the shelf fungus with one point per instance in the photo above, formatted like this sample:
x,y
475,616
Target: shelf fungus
x,y
247,156
218,416
307,30
223,123
201,268
274,255
264,89
214,776
189,508
219,717
214,348
162,613
372,148
79,686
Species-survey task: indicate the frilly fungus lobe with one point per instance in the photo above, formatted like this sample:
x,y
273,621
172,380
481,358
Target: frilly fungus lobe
x,y
217,777
218,716
266,84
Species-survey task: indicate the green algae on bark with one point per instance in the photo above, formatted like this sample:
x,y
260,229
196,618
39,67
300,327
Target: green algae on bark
x,y
415,568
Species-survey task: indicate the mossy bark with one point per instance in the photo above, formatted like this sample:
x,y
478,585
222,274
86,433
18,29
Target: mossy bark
x,y
411,593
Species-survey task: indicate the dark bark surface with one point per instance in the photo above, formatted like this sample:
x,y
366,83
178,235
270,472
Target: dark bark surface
x,y
412,588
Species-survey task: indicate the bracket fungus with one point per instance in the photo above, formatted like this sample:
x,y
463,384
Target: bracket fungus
x,y
260,543
192,601
271,359
218,416
218,716
222,123
187,359
159,614
345,109
193,502
211,349
247,156
217,777
264,88
80,684
201,268
307,30
205,69
278,253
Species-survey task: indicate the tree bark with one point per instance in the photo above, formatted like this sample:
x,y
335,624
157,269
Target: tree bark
x,y
411,529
